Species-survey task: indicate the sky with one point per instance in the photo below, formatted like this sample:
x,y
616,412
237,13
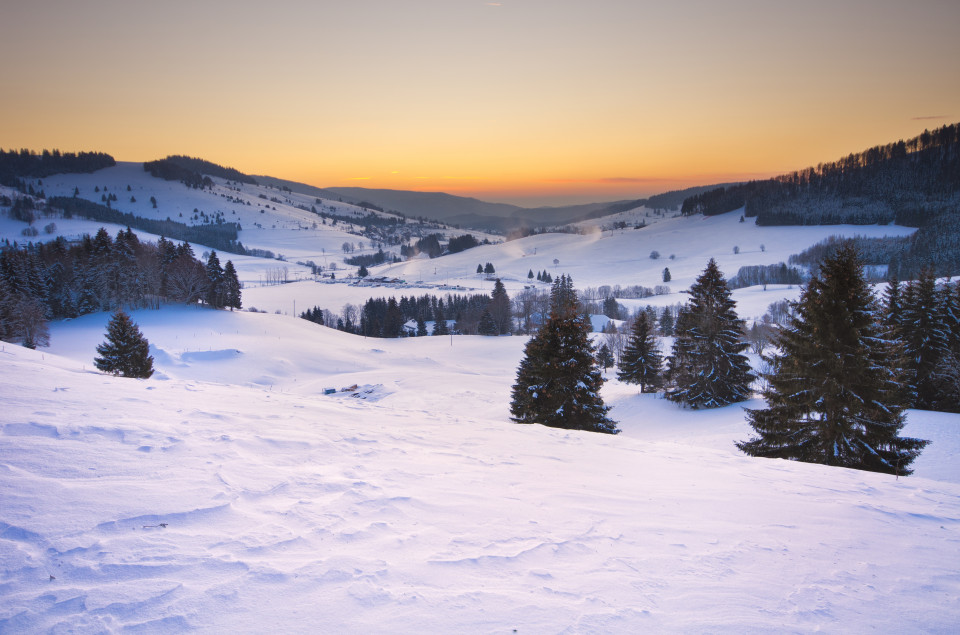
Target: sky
x,y
523,101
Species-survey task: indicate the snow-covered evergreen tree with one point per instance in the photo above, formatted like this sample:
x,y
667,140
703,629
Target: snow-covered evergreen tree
x,y
126,351
641,362
925,338
558,382
707,368
605,357
833,394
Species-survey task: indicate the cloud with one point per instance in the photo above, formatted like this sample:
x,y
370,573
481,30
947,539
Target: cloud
x,y
926,117
494,4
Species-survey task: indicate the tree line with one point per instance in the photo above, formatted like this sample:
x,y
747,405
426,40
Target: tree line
x,y
908,182
191,172
58,280
16,165
476,314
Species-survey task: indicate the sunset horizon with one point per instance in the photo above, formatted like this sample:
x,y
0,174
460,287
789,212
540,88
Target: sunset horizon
x,y
529,103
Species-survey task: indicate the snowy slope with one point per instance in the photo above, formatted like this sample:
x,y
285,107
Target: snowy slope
x,y
228,493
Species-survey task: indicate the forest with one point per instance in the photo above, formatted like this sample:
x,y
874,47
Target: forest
x,y
218,235
58,280
16,165
191,171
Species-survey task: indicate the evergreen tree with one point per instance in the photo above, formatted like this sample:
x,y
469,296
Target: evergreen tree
x,y
948,369
480,269
666,274
393,320
611,308
421,327
231,285
666,322
440,321
925,339
833,395
214,295
707,367
499,308
605,357
530,275
488,269
893,308
362,272
558,382
126,351
641,362
487,325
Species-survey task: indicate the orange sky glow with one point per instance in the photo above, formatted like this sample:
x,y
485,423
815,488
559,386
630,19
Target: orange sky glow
x,y
525,101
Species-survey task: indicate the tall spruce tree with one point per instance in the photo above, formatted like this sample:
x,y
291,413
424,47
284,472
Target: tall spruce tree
x,y
833,395
925,338
558,382
126,351
707,368
948,370
499,308
641,362
231,287
214,295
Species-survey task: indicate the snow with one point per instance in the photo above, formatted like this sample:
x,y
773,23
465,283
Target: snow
x,y
229,493
422,507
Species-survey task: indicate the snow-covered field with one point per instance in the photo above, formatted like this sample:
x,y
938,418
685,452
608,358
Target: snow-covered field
x,y
228,493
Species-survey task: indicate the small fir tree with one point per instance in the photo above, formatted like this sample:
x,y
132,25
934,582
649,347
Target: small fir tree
x,y
558,382
126,351
707,367
605,357
833,394
666,274
641,362
666,322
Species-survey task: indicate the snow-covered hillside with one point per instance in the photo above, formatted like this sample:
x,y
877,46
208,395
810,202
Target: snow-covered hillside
x,y
229,494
